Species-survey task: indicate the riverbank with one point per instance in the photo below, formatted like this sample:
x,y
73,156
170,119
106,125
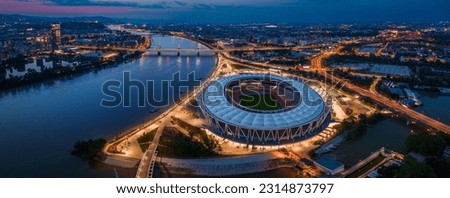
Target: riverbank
x,y
287,172
63,111
391,133
224,166
115,158
64,72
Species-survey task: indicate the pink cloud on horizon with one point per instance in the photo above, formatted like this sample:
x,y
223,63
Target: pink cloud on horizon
x,y
33,7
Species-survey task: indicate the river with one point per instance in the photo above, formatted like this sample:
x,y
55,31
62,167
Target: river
x,y
435,106
40,123
390,132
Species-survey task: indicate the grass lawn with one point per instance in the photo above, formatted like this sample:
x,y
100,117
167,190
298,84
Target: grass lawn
x,y
177,145
260,102
238,66
145,139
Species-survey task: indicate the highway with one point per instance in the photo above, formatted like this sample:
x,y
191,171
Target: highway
x,y
316,64
149,157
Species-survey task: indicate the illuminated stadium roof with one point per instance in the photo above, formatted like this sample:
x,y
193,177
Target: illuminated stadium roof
x,y
218,106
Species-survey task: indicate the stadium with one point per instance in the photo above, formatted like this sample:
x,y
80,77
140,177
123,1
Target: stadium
x,y
263,109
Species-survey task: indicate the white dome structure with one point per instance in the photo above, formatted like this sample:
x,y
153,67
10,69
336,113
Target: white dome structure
x,y
295,113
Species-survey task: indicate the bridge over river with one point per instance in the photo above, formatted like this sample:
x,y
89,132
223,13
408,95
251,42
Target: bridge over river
x,y
181,51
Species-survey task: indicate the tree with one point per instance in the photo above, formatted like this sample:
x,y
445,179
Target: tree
x,y
413,169
362,117
425,144
441,167
348,111
88,150
389,171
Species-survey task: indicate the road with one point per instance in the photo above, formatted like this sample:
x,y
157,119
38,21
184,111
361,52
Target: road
x,y
374,85
380,51
316,63
227,166
150,155
214,50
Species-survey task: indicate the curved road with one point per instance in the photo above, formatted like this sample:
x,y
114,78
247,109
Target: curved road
x,y
316,63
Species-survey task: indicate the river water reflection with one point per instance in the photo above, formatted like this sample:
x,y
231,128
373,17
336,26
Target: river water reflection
x,y
40,123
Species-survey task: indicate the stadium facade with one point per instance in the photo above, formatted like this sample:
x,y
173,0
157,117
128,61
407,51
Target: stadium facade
x,y
297,112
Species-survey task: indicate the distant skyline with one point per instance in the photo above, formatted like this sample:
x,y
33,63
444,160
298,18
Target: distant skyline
x,y
234,11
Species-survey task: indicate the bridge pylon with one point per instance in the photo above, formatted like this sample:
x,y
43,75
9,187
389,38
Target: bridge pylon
x,y
159,50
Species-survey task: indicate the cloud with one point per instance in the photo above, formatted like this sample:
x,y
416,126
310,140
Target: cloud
x,y
41,7
171,3
223,11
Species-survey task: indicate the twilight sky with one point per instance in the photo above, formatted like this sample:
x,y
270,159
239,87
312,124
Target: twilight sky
x,y
232,11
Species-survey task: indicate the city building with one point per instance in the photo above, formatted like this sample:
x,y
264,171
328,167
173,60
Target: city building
x,y
55,36
329,165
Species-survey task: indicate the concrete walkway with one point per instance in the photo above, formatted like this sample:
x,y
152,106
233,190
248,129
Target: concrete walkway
x,y
144,169
224,166
131,151
119,161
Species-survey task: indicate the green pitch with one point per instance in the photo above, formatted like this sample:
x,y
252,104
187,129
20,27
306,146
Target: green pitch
x,y
260,102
